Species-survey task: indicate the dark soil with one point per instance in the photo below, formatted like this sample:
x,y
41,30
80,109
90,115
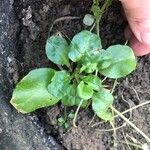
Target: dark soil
x,y
34,20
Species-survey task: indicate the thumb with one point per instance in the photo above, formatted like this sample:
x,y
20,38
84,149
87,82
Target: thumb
x,y
138,16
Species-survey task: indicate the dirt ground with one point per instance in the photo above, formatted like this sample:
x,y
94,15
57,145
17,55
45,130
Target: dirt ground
x,y
35,18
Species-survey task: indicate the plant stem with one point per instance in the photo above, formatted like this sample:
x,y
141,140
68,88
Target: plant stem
x,y
60,67
69,66
76,113
126,42
111,129
96,72
132,144
114,86
104,7
135,107
131,124
92,27
104,79
114,129
97,26
75,74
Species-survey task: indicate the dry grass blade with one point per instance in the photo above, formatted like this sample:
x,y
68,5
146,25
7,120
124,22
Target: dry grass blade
x,y
126,140
76,113
124,112
61,19
112,129
135,107
131,124
132,144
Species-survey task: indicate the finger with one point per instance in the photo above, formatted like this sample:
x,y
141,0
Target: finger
x,y
138,16
139,48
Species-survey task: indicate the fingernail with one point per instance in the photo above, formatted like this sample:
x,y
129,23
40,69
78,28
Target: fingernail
x,y
145,38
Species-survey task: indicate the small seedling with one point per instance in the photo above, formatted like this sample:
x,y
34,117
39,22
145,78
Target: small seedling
x,y
61,121
80,84
88,19
65,121
71,116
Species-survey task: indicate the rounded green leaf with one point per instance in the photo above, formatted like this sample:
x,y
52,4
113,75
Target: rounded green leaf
x,y
66,125
123,62
71,115
84,91
60,84
71,96
61,120
89,61
93,60
101,101
91,56
104,60
57,50
83,42
88,68
31,92
93,81
88,19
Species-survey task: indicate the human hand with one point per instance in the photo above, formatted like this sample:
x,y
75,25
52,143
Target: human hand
x,y
138,31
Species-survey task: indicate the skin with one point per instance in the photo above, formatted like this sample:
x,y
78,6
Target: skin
x,y
138,32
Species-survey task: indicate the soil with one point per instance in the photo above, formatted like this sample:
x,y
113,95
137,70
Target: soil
x,y
34,18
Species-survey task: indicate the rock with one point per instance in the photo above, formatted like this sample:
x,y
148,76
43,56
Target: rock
x,y
17,131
